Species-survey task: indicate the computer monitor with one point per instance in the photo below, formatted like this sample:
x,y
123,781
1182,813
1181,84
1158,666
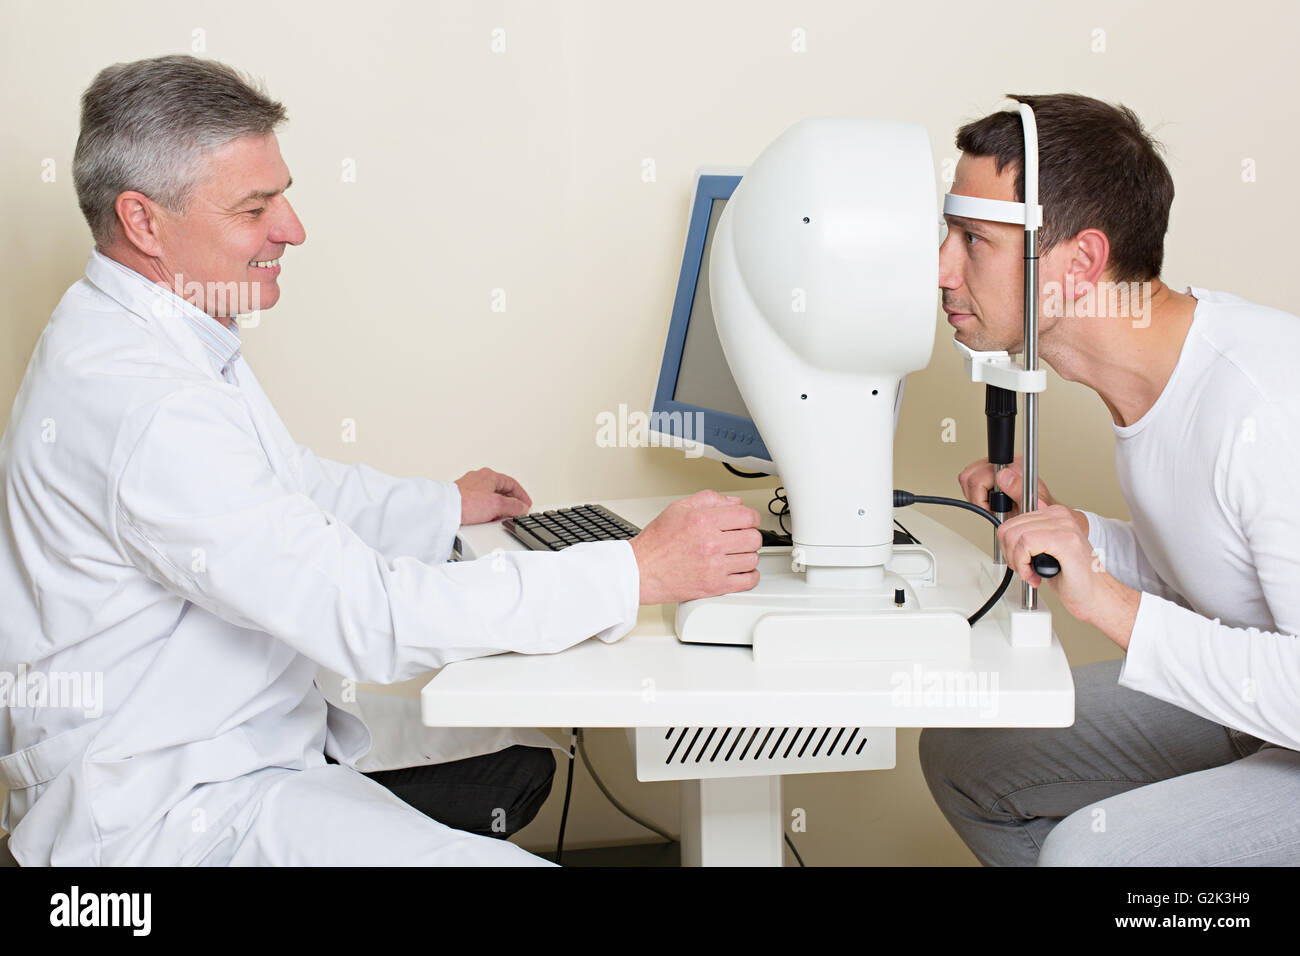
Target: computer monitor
x,y
697,406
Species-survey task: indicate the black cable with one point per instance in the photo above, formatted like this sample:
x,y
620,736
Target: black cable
x,y
745,474
779,495
911,538
568,792
903,499
790,844
997,596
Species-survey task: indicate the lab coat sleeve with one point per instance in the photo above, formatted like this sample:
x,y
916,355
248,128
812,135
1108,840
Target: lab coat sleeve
x,y
201,510
395,516
1116,543
1247,678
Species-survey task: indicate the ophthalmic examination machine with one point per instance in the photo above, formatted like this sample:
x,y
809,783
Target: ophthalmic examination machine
x,y
823,276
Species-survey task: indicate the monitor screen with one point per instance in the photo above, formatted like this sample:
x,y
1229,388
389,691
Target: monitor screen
x,y
703,378
696,399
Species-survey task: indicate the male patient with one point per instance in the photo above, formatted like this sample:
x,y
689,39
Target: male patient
x,y
1183,752
160,530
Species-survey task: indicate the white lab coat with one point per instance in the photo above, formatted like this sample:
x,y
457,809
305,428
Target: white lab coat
x,y
160,528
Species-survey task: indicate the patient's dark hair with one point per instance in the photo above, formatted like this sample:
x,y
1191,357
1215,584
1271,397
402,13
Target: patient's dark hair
x,y
1097,169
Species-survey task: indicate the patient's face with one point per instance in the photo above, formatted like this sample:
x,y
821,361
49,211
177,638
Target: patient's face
x,y
237,222
981,263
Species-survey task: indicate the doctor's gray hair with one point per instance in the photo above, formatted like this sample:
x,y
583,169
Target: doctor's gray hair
x,y
146,126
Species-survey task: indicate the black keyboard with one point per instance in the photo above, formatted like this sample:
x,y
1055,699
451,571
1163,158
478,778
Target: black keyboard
x,y
556,530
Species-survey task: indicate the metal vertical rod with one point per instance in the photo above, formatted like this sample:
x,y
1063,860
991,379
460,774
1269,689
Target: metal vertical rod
x,y
1001,516
1029,502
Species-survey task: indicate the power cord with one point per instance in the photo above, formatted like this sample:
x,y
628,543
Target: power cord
x,y
911,538
790,844
568,792
903,499
745,474
783,512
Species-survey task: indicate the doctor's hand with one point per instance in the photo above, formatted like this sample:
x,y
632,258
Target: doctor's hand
x,y
486,495
701,546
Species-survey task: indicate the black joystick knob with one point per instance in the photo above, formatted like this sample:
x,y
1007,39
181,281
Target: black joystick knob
x,y
1045,566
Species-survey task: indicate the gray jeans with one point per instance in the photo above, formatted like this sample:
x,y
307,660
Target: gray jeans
x,y
1135,782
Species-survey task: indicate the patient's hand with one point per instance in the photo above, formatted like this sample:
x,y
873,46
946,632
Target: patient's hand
x,y
976,481
486,495
700,546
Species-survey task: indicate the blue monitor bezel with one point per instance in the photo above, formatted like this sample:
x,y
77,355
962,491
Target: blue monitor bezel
x,y
737,437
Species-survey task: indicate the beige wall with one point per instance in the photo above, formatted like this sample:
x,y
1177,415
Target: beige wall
x,y
522,170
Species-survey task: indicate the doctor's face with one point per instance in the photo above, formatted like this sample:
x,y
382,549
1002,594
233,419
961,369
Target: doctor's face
x,y
227,245
981,263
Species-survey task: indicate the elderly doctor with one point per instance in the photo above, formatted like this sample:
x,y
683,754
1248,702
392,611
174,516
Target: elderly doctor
x,y
160,529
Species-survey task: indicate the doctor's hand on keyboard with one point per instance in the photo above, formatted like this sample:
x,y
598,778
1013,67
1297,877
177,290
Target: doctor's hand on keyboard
x,y
701,546
487,495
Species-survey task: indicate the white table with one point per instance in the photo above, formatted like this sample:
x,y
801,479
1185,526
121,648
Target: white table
x,y
650,680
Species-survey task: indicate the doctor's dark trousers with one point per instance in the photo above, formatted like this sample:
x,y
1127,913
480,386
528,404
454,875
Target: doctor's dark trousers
x,y
469,794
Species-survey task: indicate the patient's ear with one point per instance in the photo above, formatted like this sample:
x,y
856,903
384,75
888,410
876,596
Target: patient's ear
x,y
1089,257
138,220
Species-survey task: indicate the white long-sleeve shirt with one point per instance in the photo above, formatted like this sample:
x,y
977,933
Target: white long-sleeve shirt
x,y
160,528
1211,476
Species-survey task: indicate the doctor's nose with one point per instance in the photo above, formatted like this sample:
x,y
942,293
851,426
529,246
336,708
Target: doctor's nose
x,y
288,227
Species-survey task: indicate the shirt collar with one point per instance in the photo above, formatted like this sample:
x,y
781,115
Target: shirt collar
x,y
150,301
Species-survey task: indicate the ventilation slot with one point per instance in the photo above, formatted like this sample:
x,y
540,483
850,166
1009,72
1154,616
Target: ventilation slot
x,y
732,745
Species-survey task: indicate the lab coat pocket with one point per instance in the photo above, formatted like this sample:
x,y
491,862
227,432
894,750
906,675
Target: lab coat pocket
x,y
130,796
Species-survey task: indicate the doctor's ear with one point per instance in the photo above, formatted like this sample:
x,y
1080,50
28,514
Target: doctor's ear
x,y
1089,256
138,219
